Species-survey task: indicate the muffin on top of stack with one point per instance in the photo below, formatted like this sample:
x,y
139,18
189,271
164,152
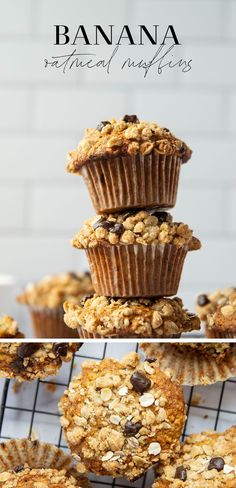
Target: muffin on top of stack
x,y
135,250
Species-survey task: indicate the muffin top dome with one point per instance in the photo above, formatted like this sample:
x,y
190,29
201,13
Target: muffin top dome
x,y
149,226
128,136
25,477
121,417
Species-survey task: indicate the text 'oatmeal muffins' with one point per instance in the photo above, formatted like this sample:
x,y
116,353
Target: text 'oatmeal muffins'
x,y
194,364
9,328
104,317
206,460
45,301
136,253
121,417
220,315
129,163
32,464
31,360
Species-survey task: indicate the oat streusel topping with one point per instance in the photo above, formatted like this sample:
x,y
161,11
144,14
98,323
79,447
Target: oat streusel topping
x,y
121,417
224,315
37,478
145,317
206,460
149,226
217,350
52,291
128,136
28,361
207,303
9,328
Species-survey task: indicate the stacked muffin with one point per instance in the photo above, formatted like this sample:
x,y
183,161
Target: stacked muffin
x,y
135,250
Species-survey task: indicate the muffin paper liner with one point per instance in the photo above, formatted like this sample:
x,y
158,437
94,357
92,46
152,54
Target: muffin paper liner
x,y
125,335
220,333
35,454
49,323
132,181
136,270
191,368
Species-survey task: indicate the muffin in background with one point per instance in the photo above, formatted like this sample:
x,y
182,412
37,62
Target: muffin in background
x,y
194,363
138,253
129,163
105,317
205,460
35,464
122,417
218,311
9,328
45,302
32,360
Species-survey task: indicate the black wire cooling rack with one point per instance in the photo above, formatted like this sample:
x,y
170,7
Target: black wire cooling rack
x,y
30,409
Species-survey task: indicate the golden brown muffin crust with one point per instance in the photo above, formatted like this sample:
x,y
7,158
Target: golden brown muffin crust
x,y
52,291
121,417
149,226
128,136
37,478
143,317
207,303
224,316
28,361
9,328
205,460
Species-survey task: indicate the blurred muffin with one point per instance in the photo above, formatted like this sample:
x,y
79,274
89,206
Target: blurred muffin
x,y
33,464
45,301
207,303
32,360
121,417
129,163
205,460
194,364
136,253
9,328
222,322
105,317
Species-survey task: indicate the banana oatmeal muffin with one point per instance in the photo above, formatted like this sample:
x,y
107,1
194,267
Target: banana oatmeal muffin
x,y
122,417
207,303
45,301
136,253
221,322
31,360
33,464
194,364
205,460
129,163
9,328
100,316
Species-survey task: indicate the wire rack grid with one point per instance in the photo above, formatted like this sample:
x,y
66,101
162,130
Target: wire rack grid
x,y
30,409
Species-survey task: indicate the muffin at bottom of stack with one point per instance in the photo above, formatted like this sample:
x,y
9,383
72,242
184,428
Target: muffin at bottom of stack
x,y
205,460
29,361
194,364
103,317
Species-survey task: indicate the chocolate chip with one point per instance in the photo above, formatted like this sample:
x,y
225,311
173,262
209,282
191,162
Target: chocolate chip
x,y
28,349
216,463
105,224
140,382
18,364
117,229
18,468
131,118
74,275
129,213
162,216
181,473
202,300
132,429
103,124
60,348
84,299
150,360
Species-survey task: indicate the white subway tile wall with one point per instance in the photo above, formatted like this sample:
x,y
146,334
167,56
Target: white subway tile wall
x,y
44,112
